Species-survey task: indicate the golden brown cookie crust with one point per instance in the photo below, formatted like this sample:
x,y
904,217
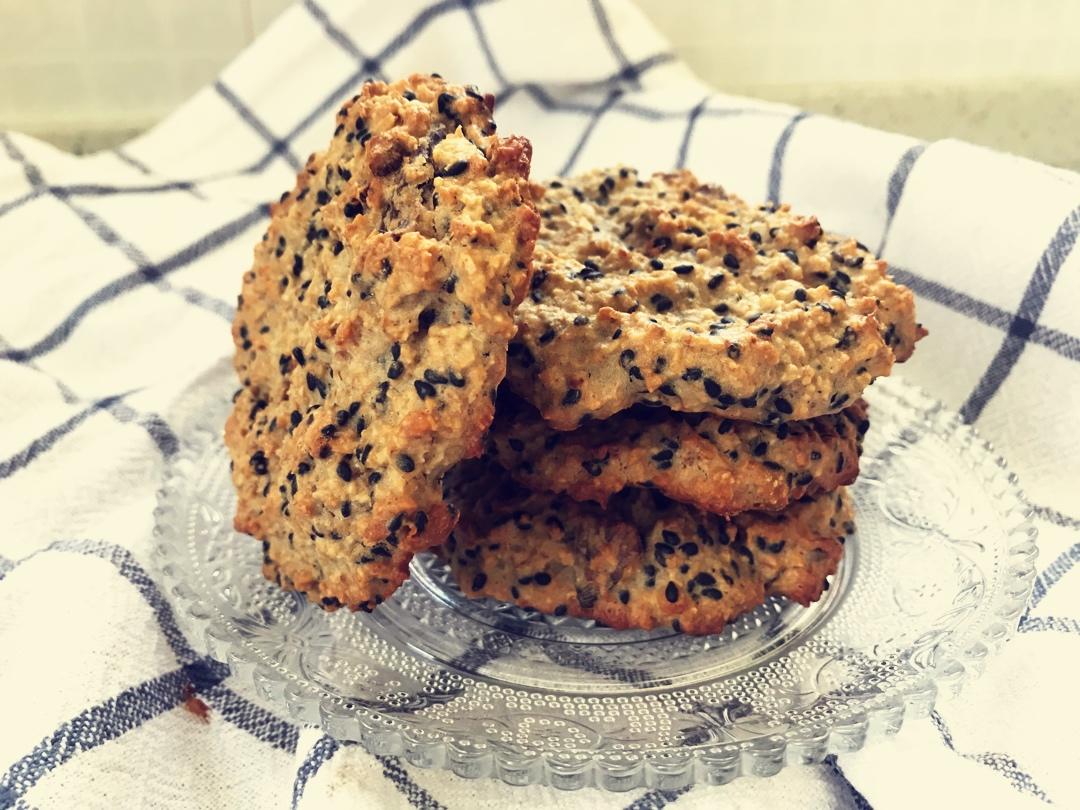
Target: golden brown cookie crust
x,y
645,561
371,334
670,291
716,464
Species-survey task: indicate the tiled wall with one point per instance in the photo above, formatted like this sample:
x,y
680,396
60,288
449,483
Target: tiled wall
x,y
1000,72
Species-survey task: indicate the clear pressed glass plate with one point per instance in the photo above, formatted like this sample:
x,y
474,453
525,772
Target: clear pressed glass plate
x,y
933,581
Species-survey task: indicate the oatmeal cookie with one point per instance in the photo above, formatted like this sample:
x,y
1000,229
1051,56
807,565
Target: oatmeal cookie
x,y
674,292
714,463
643,562
371,334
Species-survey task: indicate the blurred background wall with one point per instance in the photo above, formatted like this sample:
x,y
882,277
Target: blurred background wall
x,y
89,73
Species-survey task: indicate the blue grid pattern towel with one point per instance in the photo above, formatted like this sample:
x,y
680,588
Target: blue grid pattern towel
x,y
119,271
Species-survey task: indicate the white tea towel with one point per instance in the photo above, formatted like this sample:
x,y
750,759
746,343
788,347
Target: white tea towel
x,y
119,273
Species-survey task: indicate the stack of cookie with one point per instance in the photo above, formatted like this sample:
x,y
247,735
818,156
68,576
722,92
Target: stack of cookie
x,y
686,407
681,409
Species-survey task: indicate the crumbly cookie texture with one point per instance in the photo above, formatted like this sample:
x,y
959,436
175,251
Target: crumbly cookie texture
x,y
714,463
670,291
371,335
643,562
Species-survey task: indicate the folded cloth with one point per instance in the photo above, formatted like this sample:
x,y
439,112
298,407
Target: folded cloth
x,y
119,272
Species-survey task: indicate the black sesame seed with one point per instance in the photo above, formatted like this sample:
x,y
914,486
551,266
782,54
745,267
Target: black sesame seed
x,y
660,302
734,351
424,389
782,405
547,336
731,261
791,254
800,294
542,578
572,396
434,377
716,281
712,388
671,592
344,471
395,370
405,463
593,467
683,269
624,597
760,448
426,319
479,581
346,508
353,208
712,593
456,168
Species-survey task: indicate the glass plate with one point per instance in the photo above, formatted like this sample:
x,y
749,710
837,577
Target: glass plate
x,y
933,581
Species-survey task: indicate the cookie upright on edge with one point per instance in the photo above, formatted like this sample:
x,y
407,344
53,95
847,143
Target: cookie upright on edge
x,y
716,464
672,292
643,562
371,334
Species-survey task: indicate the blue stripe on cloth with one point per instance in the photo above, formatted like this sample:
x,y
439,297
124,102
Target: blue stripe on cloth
x,y
142,168
102,190
222,309
107,721
853,793
11,205
776,167
131,161
1027,314
417,796
340,38
320,753
604,24
159,430
252,718
1052,624
43,443
232,707
278,147
1059,342
1002,763
586,133
106,233
656,799
1054,516
897,182
1053,573
130,568
485,45
688,133
147,275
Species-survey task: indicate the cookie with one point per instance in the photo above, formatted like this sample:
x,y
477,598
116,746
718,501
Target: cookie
x,y
714,463
371,335
673,292
645,560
